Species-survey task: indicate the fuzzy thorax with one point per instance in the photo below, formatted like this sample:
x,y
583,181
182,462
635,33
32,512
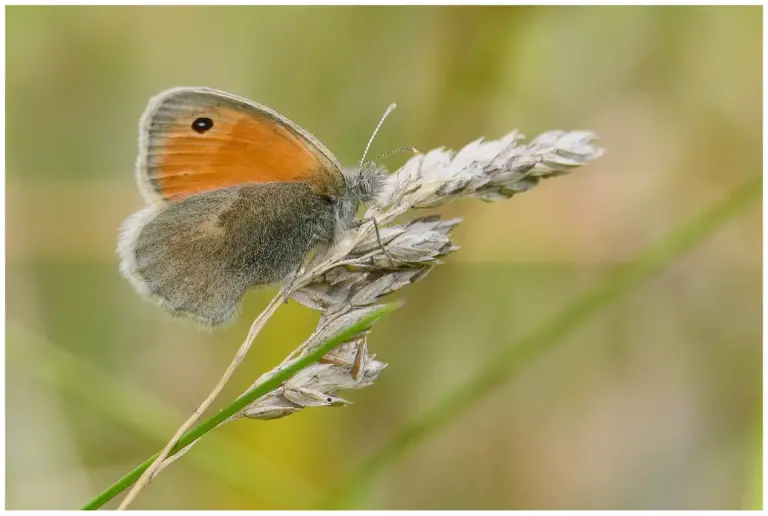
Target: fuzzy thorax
x,y
363,186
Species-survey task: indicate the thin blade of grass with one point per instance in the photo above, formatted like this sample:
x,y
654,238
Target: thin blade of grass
x,y
240,403
522,352
127,404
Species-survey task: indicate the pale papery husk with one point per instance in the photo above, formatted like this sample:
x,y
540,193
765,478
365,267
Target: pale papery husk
x,y
348,280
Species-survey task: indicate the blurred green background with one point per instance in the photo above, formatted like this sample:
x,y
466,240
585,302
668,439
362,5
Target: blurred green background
x,y
655,403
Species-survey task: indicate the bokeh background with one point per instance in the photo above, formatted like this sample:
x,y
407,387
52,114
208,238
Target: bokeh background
x,y
654,403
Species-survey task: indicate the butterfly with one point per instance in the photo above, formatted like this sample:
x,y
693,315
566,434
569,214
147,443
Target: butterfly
x,y
237,196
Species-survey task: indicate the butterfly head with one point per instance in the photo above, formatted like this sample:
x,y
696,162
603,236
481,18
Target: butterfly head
x,y
365,183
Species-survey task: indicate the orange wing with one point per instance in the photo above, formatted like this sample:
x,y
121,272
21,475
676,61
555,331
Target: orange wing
x,y
194,140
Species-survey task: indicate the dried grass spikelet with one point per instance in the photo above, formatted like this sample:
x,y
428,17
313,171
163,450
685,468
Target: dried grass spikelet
x,y
348,280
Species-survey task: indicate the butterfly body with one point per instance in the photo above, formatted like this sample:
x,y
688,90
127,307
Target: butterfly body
x,y
238,196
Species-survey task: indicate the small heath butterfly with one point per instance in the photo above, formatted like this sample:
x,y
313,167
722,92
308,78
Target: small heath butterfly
x,y
237,195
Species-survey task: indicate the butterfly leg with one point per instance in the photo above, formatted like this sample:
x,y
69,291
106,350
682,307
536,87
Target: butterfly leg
x,y
381,245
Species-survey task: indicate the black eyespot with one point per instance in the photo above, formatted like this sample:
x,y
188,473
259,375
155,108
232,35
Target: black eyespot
x,y
202,124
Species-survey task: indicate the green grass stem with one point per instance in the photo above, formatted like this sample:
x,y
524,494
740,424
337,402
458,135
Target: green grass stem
x,y
67,373
240,403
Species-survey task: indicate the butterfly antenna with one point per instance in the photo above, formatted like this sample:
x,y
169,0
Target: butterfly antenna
x,y
399,149
386,114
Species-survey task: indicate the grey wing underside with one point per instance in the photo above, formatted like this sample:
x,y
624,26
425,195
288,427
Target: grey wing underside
x,y
198,256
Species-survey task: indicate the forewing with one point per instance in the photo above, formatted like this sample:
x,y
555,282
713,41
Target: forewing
x,y
193,140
